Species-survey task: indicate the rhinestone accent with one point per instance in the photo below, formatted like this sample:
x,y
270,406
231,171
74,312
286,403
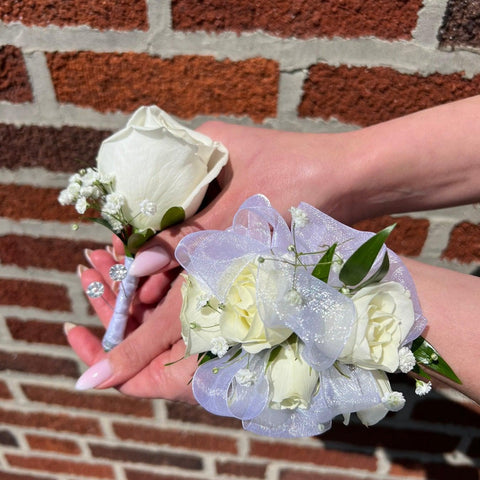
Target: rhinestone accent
x,y
95,290
118,272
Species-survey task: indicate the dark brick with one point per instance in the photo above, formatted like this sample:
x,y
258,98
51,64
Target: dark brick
x,y
14,81
60,423
292,474
318,456
48,253
4,391
407,238
393,439
135,455
464,243
196,414
65,149
99,401
182,438
359,95
241,469
55,465
461,27
26,293
124,81
134,474
388,19
447,412
104,15
8,439
38,364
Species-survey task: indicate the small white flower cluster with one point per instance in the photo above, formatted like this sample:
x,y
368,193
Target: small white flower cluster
x,y
299,217
90,189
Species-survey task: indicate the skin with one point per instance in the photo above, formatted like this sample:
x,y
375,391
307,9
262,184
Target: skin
x,y
425,160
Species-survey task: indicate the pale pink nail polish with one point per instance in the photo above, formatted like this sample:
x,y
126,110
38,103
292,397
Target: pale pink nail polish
x,y
95,375
149,261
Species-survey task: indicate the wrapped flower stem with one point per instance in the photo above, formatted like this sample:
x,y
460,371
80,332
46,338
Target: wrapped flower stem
x,y
116,328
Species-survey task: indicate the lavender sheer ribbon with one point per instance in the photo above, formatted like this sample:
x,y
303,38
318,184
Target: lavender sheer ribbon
x,y
323,322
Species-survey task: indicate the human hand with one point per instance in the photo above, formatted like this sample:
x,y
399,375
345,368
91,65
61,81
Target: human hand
x,y
150,361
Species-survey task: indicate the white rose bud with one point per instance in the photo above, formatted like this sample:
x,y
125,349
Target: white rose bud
x,y
385,315
199,325
293,382
157,158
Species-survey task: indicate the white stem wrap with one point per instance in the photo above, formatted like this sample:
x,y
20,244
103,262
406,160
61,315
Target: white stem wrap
x,y
116,328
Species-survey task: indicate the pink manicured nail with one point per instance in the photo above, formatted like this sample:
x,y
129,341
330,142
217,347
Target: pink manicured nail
x,y
149,261
95,375
81,269
86,253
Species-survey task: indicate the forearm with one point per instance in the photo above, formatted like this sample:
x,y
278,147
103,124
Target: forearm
x,y
450,303
429,159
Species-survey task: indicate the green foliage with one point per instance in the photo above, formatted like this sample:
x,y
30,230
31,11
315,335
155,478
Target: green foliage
x,y
426,355
322,269
357,267
172,216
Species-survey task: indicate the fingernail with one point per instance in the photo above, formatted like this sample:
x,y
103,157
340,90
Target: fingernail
x,y
67,326
86,253
81,269
95,375
149,261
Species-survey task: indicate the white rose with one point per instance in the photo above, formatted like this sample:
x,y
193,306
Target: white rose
x,y
240,321
385,315
156,158
293,381
199,317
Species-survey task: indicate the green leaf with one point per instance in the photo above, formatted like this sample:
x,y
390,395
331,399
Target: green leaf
x,y
322,269
427,356
172,216
273,355
356,268
378,275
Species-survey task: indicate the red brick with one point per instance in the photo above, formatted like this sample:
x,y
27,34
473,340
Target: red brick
x,y
25,201
292,474
464,243
99,401
318,456
60,423
26,293
365,96
54,465
175,438
196,414
460,26
38,364
51,444
43,252
151,457
104,15
4,391
65,149
184,85
4,475
241,469
388,19
14,82
40,331
407,238
134,474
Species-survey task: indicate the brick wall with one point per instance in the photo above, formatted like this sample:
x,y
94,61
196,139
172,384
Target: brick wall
x,y
71,72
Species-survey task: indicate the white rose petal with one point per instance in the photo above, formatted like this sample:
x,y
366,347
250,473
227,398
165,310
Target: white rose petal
x,y
155,157
384,317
